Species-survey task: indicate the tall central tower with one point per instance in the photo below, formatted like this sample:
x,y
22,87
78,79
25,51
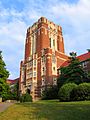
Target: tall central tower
x,y
44,53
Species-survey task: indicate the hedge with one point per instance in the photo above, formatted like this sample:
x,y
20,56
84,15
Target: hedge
x,y
65,90
50,92
81,92
26,98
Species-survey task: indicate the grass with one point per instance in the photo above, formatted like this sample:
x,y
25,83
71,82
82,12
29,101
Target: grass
x,y
48,110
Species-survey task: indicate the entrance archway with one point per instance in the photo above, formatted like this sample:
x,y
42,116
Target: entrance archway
x,y
28,91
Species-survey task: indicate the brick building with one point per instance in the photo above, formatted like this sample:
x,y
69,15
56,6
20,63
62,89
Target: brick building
x,y
44,53
84,60
12,83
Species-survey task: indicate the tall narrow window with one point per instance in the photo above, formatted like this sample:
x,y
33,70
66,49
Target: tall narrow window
x,y
34,74
53,43
43,59
58,45
53,58
50,42
53,68
34,62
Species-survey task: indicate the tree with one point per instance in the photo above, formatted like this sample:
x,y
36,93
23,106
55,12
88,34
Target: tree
x,y
73,72
88,50
4,74
14,94
50,92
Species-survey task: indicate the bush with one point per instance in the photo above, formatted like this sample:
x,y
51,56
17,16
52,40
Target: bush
x,y
50,92
13,96
5,96
81,92
65,90
26,98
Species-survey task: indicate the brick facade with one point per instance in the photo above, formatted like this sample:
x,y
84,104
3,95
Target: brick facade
x,y
84,60
44,53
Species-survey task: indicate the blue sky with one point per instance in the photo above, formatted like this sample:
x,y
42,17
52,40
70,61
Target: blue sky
x,y
17,15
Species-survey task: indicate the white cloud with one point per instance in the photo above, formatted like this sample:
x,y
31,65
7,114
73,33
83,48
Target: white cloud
x,y
75,19
12,38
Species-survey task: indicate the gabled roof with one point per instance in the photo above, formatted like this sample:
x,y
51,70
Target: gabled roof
x,y
82,58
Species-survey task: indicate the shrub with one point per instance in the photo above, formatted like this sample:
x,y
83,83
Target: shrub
x,y
65,90
50,92
13,96
81,92
26,98
5,96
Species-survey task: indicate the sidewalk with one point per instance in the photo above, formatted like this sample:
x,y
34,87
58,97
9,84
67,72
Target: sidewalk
x,y
4,106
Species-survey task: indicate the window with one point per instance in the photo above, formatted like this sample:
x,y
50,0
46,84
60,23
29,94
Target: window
x,y
55,30
22,70
29,65
50,42
43,81
59,71
84,64
53,59
34,62
43,71
43,52
53,68
30,75
54,81
27,75
43,59
58,45
39,32
53,43
34,74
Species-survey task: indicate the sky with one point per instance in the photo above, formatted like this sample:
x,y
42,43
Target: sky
x,y
17,15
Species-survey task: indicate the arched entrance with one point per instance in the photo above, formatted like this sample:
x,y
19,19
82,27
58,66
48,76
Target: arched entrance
x,y
28,91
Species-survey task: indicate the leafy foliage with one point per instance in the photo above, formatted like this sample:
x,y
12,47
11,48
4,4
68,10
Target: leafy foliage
x,y
5,92
26,98
14,94
50,92
65,90
81,92
4,74
73,72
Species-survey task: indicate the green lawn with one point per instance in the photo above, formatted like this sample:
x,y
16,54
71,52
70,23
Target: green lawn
x,y
48,110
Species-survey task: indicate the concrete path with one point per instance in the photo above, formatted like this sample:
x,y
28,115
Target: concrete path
x,y
4,106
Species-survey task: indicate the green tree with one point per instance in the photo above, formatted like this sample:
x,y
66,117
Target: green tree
x,y
50,92
73,72
4,74
14,94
